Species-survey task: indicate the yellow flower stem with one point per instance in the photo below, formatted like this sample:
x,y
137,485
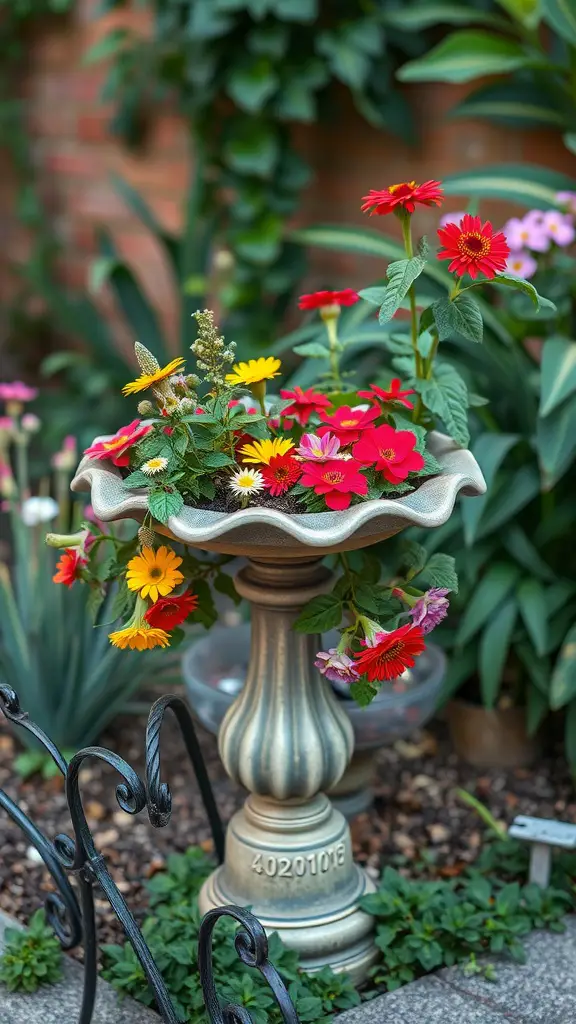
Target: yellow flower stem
x,y
331,321
406,221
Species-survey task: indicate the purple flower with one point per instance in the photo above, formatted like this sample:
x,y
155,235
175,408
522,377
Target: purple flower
x,y
338,668
452,218
522,264
16,391
319,449
559,227
430,609
527,233
567,199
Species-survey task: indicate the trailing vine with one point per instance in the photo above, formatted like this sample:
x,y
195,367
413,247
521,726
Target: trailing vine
x,y
244,73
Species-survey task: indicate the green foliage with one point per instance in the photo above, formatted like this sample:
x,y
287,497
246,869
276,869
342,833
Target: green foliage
x,y
171,931
424,925
31,958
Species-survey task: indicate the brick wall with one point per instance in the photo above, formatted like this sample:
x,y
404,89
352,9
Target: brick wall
x,y
75,154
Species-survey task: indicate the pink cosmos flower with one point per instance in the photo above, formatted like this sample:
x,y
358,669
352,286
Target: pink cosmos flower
x,y
17,391
338,668
559,227
318,449
527,232
117,448
522,264
451,218
430,609
567,199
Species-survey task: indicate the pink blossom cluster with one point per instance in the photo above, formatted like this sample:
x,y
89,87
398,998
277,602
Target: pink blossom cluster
x,y
537,231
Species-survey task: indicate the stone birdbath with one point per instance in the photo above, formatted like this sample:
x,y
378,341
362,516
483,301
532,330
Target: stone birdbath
x,y
286,738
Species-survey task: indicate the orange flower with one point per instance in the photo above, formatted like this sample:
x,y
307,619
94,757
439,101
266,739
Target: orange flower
x,y
69,567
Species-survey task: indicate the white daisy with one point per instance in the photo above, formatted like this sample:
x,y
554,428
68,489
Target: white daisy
x,y
246,482
38,510
154,466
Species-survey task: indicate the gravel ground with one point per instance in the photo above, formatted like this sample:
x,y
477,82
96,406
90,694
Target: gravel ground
x,y
416,812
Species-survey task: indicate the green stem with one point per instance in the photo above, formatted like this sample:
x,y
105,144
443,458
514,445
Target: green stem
x,y
408,246
332,331
22,469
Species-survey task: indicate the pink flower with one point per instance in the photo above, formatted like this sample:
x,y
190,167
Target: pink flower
x,y
17,391
117,448
527,233
559,227
318,449
336,480
430,609
338,668
451,218
69,443
30,423
348,423
522,264
567,199
6,423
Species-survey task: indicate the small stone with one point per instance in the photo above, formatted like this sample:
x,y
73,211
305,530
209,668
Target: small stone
x,y
95,810
33,856
438,833
121,819
107,838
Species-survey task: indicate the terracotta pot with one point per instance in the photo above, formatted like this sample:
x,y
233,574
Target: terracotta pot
x,y
491,739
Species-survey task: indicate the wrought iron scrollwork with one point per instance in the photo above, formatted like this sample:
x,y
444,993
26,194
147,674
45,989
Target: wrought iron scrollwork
x,y
73,917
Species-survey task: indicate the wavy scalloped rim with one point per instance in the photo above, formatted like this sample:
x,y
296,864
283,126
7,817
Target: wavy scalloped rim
x,y
429,505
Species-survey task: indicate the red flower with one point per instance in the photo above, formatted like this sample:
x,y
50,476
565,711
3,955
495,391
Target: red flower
x,y
347,297
472,247
304,403
392,452
391,653
337,480
116,448
394,394
346,423
69,566
405,195
280,474
168,612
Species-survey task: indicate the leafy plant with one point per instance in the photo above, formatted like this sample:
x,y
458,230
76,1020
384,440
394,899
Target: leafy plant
x,y
31,958
172,933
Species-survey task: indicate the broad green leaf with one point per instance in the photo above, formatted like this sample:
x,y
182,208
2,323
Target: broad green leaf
x,y
522,487
556,442
312,350
563,684
99,273
561,16
491,591
163,504
460,669
526,184
520,104
416,16
251,147
468,54
446,396
439,571
489,450
140,314
569,140
458,316
570,735
558,379
401,276
349,63
320,614
374,295
147,217
527,12
511,281
251,85
537,668
493,650
363,693
533,607
526,554
536,709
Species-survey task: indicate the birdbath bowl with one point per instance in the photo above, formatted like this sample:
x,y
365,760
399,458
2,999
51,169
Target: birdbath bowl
x,y
286,737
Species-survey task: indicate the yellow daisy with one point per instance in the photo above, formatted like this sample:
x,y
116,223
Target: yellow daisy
x,y
139,638
154,573
146,380
263,451
254,371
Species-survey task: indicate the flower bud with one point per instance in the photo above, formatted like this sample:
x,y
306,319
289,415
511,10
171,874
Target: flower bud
x,y
146,536
187,406
145,408
146,361
30,423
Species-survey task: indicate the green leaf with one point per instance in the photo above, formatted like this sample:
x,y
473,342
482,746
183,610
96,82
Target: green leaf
x,y
536,709
520,104
251,148
523,550
296,102
106,47
439,571
523,486
446,396
401,276
489,450
250,86
363,693
348,62
216,460
224,584
460,315
312,350
569,140
511,281
526,184
163,504
375,295
570,735
468,54
492,590
558,380
320,614
272,40
561,16
493,650
534,611
417,16
136,479
556,442
563,683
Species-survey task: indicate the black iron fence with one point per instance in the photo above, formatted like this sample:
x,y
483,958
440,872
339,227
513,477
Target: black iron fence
x,y
77,868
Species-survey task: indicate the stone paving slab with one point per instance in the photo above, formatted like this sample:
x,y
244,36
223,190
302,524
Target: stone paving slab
x,y
60,1004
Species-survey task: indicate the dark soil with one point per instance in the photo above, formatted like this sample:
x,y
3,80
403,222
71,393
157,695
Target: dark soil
x,y
416,812
224,501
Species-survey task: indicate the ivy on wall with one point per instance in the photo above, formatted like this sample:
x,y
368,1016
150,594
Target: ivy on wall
x,y
244,73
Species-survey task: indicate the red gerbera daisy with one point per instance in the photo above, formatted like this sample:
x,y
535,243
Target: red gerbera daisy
x,y
168,612
337,480
346,423
304,403
280,474
404,195
390,654
473,248
394,393
391,451
316,300
69,566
